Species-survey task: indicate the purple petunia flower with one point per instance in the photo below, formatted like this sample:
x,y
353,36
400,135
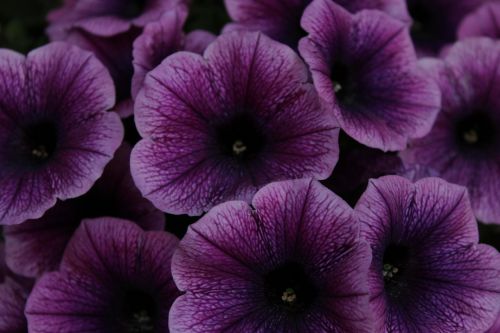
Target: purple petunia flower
x,y
114,277
56,135
428,274
435,22
485,21
114,194
162,38
107,18
464,145
220,127
290,262
280,19
364,68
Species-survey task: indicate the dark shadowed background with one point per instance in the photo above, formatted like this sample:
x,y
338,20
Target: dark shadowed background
x,y
22,22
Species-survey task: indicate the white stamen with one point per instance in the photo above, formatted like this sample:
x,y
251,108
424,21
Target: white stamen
x,y
289,296
239,147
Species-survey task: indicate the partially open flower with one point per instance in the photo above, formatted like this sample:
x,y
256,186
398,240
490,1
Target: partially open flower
x,y
113,195
428,272
107,18
280,19
364,68
219,127
464,144
56,135
114,277
291,262
161,39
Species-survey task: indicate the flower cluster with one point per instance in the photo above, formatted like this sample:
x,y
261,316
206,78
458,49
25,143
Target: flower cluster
x,y
307,166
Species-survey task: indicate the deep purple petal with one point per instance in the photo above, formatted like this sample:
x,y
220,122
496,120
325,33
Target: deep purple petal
x,y
485,21
13,298
197,41
115,53
114,194
444,281
90,291
106,18
158,40
280,19
431,211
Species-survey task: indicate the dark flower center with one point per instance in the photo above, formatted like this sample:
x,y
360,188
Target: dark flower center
x,y
422,19
240,137
289,287
395,265
344,85
139,312
476,131
133,8
40,141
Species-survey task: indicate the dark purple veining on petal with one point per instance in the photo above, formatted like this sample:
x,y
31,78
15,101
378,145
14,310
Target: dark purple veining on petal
x,y
463,145
131,292
425,256
290,261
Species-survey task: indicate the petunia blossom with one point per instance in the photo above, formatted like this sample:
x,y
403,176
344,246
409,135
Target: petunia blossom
x,y
106,18
290,262
280,19
114,194
364,68
56,134
464,144
485,21
114,277
428,272
219,127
